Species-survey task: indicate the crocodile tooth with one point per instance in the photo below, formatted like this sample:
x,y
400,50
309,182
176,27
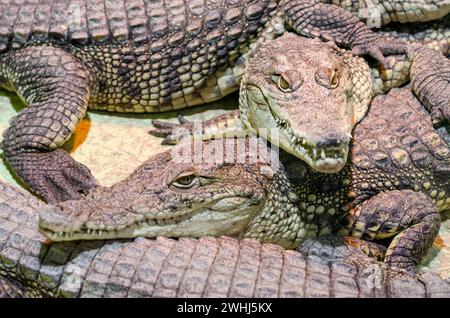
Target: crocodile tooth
x,y
322,154
92,225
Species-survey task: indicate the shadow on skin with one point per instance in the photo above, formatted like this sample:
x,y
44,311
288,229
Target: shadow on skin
x,y
15,100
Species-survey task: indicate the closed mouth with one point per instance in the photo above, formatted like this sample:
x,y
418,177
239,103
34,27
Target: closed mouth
x,y
101,231
160,223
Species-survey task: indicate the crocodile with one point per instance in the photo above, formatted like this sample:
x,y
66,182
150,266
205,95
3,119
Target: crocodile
x,y
64,56
187,267
392,188
306,96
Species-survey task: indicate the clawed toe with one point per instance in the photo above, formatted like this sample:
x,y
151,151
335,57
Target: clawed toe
x,y
380,48
172,133
53,175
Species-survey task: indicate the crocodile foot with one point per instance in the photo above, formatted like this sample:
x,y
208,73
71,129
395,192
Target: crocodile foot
x,y
440,116
379,47
53,175
172,133
371,249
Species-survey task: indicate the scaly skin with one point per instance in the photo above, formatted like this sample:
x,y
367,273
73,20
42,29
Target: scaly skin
x,y
205,267
397,174
10,289
381,12
312,94
62,57
434,34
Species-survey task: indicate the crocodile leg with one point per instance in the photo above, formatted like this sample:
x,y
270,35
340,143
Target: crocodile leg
x,y
227,125
429,72
430,78
314,18
56,86
410,218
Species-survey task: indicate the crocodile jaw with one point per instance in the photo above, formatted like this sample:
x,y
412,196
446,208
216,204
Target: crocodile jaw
x,y
330,159
227,216
321,159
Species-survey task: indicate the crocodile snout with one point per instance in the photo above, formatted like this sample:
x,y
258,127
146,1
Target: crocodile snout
x,y
61,218
333,139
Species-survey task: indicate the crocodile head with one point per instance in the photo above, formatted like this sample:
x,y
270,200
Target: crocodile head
x,y
301,89
174,196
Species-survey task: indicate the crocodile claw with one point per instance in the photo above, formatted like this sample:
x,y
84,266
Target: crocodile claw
x,y
172,133
379,48
53,175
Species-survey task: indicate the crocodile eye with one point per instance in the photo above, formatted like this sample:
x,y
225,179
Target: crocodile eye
x,y
327,77
289,81
283,84
185,182
334,81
